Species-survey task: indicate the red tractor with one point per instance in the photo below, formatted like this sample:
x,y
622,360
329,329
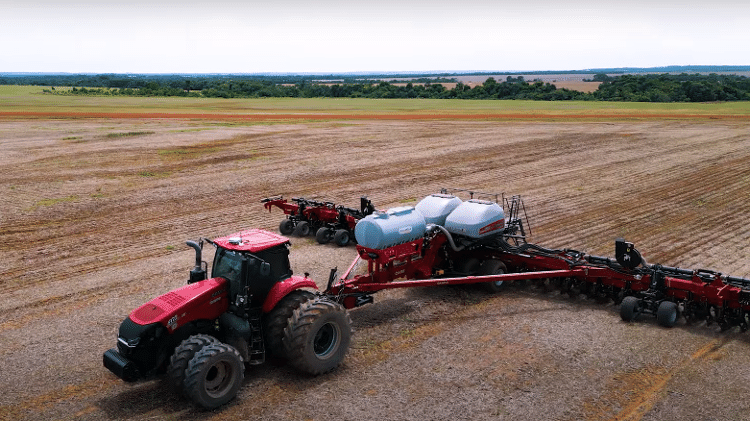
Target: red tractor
x,y
202,334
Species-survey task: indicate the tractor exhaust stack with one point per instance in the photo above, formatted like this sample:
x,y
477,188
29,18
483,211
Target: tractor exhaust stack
x,y
199,271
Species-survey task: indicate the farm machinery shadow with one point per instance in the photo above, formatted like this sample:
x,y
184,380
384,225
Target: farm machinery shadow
x,y
430,304
577,302
140,399
450,299
158,397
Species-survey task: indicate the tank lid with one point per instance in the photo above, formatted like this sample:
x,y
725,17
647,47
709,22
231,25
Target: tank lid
x,y
403,210
482,202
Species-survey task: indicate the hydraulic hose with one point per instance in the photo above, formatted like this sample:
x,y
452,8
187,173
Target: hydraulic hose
x,y
448,235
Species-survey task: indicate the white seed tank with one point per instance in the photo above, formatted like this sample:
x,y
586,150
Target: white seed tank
x,y
476,219
436,207
385,229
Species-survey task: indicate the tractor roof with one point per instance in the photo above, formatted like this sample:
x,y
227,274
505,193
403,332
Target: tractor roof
x,y
252,240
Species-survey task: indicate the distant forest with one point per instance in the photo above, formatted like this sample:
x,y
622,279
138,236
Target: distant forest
x,y
626,87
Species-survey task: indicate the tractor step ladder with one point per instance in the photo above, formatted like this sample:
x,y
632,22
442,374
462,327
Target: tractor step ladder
x,y
256,350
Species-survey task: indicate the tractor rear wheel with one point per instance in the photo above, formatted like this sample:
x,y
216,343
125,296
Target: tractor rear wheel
x,y
493,267
302,229
278,318
323,236
628,308
214,375
341,237
286,227
666,314
185,352
317,336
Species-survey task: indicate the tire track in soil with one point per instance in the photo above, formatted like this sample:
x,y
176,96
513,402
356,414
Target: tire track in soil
x,y
643,400
670,205
680,214
60,305
27,408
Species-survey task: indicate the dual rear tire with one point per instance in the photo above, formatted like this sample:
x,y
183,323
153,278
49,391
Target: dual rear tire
x,y
317,336
277,320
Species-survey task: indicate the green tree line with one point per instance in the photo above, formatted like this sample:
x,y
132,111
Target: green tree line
x,y
632,88
490,89
674,88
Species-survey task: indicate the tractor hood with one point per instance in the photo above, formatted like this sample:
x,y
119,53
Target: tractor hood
x,y
200,300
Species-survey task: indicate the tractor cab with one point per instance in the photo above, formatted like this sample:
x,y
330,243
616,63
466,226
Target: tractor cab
x,y
252,261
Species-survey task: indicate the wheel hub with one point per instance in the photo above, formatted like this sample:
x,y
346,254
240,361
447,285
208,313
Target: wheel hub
x,y
325,340
218,378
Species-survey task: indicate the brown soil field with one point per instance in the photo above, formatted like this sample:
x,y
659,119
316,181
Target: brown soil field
x,y
95,213
544,115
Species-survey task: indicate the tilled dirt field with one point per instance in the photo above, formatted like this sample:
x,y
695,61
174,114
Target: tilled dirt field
x,y
95,214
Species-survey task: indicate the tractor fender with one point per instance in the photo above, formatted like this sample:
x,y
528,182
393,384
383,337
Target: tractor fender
x,y
281,289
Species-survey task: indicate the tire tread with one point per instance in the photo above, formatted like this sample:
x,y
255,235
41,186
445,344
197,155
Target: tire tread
x,y
297,335
194,375
183,353
278,318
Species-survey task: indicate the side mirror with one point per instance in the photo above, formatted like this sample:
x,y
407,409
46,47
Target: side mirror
x,y
265,269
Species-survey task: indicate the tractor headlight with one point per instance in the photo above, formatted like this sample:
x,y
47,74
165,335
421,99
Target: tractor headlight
x,y
139,341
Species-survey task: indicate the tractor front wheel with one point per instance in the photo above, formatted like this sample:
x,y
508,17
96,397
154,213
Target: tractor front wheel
x,y
214,375
317,336
179,361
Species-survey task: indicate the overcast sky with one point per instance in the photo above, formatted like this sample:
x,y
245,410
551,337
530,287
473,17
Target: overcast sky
x,y
168,36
